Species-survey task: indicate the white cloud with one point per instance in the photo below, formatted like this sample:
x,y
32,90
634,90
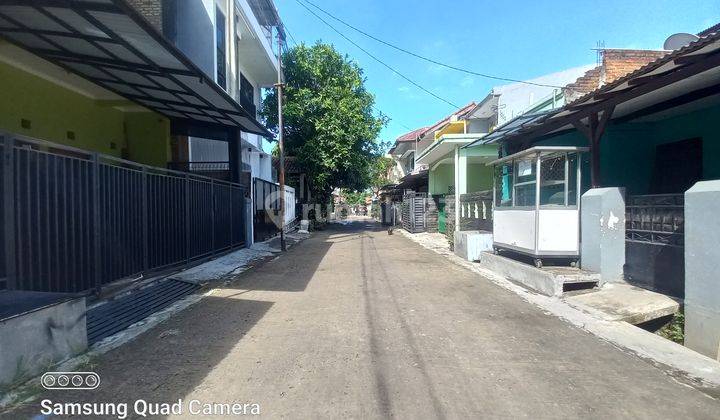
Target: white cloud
x,y
467,81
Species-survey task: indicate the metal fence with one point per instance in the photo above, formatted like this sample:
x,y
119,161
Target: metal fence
x,y
78,220
654,242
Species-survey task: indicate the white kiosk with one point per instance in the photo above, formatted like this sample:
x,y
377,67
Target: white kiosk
x,y
537,203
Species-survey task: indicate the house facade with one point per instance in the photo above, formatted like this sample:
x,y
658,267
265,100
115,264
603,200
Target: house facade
x,y
453,171
649,177
130,147
234,42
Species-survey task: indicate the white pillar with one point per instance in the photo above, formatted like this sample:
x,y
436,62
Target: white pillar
x,y
602,221
460,182
702,288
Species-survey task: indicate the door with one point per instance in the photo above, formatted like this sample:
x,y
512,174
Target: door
x,y
678,166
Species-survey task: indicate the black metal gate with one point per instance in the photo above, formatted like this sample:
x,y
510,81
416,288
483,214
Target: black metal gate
x,y
654,243
74,220
267,209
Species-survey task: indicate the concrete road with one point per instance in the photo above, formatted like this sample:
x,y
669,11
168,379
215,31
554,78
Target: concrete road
x,y
357,323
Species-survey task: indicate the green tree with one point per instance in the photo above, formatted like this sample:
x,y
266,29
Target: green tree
x,y
353,198
380,173
328,118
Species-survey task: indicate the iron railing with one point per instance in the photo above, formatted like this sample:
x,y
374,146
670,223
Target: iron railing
x,y
218,170
199,166
75,220
657,219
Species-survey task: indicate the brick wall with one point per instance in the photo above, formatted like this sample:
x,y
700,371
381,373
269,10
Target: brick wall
x,y
615,64
618,63
584,84
151,10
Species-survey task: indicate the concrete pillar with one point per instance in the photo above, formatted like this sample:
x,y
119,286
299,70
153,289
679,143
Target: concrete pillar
x,y
602,225
460,182
702,288
249,212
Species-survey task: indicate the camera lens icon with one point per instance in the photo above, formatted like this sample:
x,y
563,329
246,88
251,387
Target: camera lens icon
x,y
63,380
48,381
70,380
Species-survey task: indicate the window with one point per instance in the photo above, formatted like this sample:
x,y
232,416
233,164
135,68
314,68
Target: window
x,y
247,94
552,180
503,185
516,183
525,181
220,46
410,162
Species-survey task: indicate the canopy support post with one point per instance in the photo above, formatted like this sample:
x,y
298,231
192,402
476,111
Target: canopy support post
x,y
593,131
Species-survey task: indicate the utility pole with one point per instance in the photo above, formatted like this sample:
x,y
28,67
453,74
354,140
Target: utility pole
x,y
281,146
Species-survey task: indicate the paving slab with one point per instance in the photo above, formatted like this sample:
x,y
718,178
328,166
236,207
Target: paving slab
x,y
624,302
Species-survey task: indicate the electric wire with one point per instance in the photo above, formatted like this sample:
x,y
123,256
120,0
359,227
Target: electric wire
x,y
409,80
421,57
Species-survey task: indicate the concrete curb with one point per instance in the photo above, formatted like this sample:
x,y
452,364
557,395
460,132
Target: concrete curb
x,y
675,360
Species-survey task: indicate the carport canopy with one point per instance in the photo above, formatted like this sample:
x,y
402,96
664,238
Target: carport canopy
x,y
112,45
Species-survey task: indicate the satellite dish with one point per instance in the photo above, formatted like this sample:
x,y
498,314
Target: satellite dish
x,y
677,41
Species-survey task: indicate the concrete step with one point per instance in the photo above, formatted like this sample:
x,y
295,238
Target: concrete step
x,y
549,281
624,302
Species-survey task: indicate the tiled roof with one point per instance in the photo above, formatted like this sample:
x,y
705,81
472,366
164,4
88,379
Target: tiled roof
x,y
710,30
461,113
412,135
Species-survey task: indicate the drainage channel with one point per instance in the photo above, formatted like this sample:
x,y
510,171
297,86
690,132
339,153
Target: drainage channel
x,y
116,315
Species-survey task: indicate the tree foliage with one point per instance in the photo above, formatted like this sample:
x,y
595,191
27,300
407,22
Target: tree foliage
x,y
328,118
354,197
380,173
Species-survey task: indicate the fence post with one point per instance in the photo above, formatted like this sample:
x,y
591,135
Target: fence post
x,y
9,210
97,273
145,235
187,218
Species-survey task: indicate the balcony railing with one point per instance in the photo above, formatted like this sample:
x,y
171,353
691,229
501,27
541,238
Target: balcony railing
x,y
213,169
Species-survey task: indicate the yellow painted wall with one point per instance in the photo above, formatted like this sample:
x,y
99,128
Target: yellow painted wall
x,y
455,127
148,138
54,110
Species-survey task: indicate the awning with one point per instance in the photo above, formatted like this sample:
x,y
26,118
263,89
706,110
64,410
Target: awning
x,y
112,45
510,127
413,181
445,145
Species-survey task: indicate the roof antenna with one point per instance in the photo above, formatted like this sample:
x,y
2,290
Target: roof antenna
x,y
599,51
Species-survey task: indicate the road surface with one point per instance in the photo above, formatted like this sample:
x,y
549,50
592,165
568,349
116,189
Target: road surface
x,y
357,323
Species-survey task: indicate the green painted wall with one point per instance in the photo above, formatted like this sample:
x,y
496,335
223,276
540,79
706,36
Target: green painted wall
x,y
479,177
440,178
53,111
628,150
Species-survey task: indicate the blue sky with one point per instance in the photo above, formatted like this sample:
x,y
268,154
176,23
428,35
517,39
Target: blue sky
x,y
516,39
